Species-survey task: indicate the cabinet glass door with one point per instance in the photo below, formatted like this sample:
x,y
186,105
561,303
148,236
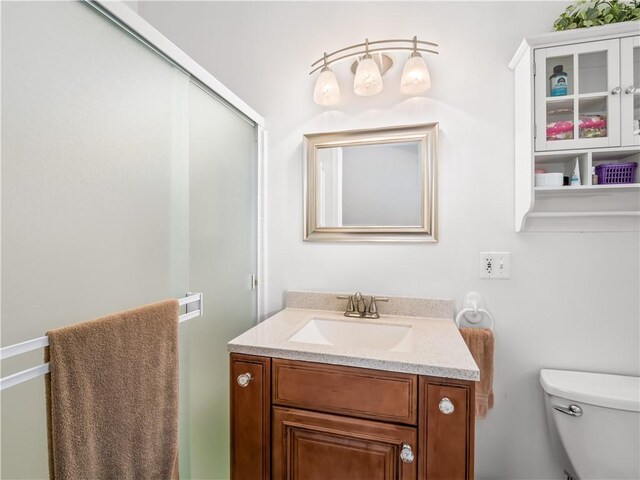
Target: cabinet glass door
x,y
630,84
577,102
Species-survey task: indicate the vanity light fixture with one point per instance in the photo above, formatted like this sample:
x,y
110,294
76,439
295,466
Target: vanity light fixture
x,y
370,65
327,90
415,75
368,80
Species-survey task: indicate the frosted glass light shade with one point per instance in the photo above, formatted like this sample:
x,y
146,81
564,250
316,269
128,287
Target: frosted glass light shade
x,y
327,90
415,76
368,80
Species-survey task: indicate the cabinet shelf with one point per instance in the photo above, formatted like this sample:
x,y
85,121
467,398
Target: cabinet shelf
x,y
593,95
560,98
612,152
588,221
582,208
595,189
583,214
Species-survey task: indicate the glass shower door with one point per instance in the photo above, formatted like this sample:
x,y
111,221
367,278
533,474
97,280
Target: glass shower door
x,y
222,239
123,183
94,190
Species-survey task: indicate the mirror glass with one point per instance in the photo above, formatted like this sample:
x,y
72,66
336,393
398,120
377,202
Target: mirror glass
x,y
371,185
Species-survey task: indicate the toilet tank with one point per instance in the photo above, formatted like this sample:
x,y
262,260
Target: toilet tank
x,y
594,423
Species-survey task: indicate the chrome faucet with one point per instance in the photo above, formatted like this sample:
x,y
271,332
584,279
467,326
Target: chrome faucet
x,y
357,305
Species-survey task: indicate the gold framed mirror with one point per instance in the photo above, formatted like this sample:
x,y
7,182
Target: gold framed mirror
x,y
377,185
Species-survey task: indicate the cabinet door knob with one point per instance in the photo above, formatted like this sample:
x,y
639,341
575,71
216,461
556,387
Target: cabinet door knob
x,y
446,406
631,90
406,454
244,379
616,91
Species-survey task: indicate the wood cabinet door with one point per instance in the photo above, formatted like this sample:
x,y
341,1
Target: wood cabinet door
x,y
250,417
318,446
447,416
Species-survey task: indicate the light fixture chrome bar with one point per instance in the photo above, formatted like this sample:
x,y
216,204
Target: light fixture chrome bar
x,y
373,50
376,42
41,342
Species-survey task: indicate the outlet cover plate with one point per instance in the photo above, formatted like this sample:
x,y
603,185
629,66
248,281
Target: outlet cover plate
x,y
495,265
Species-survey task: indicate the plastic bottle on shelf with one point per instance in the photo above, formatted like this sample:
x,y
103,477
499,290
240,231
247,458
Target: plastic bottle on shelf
x,y
575,178
558,82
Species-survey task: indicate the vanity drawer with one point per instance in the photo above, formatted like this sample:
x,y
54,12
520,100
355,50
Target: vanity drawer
x,y
357,392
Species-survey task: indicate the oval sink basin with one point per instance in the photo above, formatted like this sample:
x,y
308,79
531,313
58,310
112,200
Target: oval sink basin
x,y
354,334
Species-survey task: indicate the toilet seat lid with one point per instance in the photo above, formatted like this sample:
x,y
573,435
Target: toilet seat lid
x,y
604,390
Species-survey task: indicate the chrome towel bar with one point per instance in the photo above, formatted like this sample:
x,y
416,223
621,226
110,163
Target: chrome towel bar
x,y
41,342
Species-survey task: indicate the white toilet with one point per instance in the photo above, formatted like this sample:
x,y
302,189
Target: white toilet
x,y
594,422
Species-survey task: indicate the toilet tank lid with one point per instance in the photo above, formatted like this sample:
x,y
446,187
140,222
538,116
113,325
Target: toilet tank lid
x,y
612,391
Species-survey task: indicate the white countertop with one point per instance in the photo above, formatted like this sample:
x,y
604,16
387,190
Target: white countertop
x,y
437,347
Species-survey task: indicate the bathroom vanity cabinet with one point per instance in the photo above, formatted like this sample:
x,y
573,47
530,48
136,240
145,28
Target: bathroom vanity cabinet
x,y
294,419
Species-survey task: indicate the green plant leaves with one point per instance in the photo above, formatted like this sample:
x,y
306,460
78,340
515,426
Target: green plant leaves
x,y
589,13
592,14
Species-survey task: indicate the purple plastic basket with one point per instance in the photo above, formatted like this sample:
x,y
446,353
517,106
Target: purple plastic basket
x,y
609,173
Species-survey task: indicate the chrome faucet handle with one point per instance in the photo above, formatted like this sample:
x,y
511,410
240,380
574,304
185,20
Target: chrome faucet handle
x,y
350,306
372,311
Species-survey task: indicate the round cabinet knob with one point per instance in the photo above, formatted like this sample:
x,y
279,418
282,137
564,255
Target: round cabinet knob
x,y
616,91
406,454
446,406
631,90
244,379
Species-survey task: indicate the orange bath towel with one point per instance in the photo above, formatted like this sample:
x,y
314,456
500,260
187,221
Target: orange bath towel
x,y
112,396
481,343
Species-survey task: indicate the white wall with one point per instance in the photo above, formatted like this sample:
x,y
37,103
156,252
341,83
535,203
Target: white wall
x,y
572,301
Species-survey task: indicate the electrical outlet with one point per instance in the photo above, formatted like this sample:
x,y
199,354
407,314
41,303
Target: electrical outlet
x,y
495,265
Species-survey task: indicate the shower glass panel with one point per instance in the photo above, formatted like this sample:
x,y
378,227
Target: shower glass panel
x,y
122,184
222,251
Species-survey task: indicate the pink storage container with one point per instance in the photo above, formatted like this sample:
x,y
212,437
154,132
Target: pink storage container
x,y
592,126
560,130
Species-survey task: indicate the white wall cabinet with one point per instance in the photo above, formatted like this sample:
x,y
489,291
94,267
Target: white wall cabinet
x,y
593,122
